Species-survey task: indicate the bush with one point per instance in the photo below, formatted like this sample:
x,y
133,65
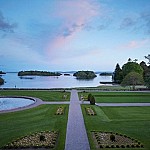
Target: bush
x,y
42,138
92,100
112,138
89,96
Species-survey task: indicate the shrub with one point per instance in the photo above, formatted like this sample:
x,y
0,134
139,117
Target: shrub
x,y
112,138
92,100
89,96
112,146
42,138
122,146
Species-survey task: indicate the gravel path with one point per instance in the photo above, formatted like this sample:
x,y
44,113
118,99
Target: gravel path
x,y
76,137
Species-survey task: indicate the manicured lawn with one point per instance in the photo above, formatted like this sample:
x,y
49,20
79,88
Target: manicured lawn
x,y
120,97
131,121
18,124
44,95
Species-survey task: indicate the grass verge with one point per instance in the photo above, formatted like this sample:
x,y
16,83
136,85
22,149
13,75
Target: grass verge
x,y
43,95
119,97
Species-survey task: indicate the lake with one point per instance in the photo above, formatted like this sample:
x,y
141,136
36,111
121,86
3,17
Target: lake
x,y
12,80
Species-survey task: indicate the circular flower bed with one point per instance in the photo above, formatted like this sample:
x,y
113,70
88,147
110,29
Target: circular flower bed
x,y
114,140
44,139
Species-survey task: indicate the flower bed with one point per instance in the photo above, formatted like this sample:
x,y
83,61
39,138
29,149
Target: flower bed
x,y
114,140
43,139
90,111
60,111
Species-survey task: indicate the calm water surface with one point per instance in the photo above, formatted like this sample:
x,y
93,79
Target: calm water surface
x,y
12,80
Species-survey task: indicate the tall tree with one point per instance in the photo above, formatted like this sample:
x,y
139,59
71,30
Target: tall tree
x,y
117,76
146,70
131,67
132,79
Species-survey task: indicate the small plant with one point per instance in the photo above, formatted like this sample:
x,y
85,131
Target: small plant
x,y
42,138
112,138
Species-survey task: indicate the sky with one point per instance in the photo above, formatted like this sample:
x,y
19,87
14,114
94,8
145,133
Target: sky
x,y
65,35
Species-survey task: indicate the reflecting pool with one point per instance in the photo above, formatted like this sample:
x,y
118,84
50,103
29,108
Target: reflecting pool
x,y
8,103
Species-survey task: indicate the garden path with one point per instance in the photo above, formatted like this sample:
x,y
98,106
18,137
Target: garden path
x,y
76,137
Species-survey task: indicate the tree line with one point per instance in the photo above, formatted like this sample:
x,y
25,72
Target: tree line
x,y
132,74
84,74
38,73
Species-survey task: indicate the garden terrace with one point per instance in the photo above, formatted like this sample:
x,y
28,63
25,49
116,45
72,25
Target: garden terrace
x,y
25,123
131,122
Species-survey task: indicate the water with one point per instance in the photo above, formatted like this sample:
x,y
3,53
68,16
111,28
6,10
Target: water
x,y
12,80
13,103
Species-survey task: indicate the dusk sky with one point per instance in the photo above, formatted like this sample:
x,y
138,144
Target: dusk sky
x,y
64,35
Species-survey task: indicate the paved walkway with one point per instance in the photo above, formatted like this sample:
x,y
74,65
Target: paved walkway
x,y
76,137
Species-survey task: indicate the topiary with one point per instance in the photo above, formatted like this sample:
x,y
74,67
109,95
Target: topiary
x,y
42,138
112,138
89,96
92,100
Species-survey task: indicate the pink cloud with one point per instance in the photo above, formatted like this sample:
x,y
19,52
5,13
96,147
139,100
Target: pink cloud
x,y
134,44
74,15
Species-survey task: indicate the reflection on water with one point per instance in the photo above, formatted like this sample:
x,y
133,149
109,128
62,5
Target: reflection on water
x,y
12,103
12,80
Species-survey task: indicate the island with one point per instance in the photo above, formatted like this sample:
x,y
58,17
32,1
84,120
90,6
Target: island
x,y
106,74
1,72
38,73
84,75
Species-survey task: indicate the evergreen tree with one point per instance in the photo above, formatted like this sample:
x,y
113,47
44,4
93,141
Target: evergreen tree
x,y
146,70
117,76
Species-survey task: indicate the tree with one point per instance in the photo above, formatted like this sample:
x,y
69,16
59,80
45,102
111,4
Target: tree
x,y
131,67
146,70
133,79
84,74
117,76
147,81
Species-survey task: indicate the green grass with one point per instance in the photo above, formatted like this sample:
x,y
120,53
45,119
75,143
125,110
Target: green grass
x,y
130,121
18,124
119,97
112,88
44,95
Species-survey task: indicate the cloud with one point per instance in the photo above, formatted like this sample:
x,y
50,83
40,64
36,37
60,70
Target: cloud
x,y
127,23
135,44
74,16
5,26
138,22
145,16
